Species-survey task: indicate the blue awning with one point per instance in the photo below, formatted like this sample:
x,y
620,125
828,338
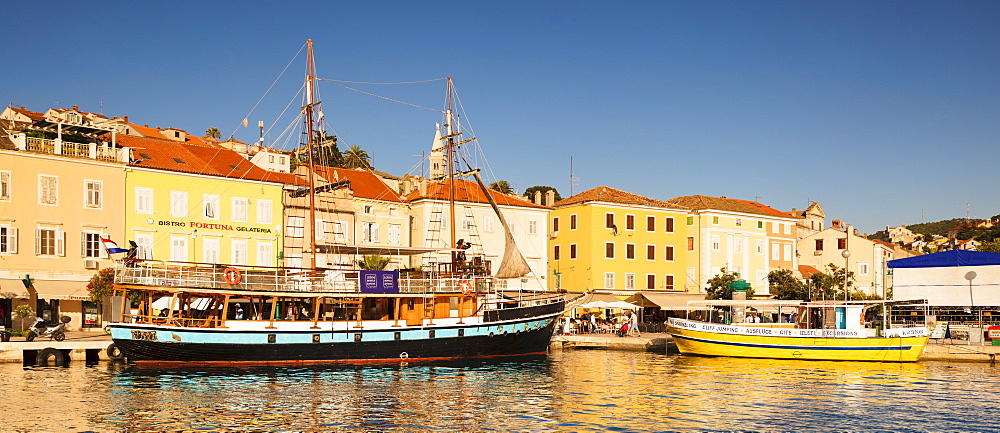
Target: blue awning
x,y
948,258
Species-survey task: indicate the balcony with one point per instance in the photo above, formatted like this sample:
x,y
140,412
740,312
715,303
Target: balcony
x,y
101,152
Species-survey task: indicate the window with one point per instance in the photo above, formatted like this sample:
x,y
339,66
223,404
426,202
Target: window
x,y
264,211
368,209
241,209
210,249
572,251
320,227
369,232
92,194
48,190
862,268
788,228
393,211
739,222
760,246
842,243
788,252
609,280
178,204
489,223
90,245
690,243
572,222
716,243
8,240
144,246
738,245
775,252
394,234
715,220
50,242
4,186
340,231
650,252
630,251
270,159
555,252
650,281
629,281
690,220
668,282
178,249
240,250
211,209
760,224
819,245
437,220
532,227
143,200
295,226
555,224
668,253
650,223
265,253
609,250
609,220
629,222
668,224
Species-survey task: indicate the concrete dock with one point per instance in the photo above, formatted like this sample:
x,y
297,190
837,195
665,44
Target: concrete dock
x,y
78,346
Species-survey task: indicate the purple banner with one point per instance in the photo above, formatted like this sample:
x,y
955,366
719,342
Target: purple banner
x,y
379,281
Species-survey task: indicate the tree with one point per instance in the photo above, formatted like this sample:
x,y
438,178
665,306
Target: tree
x,y
373,263
784,285
356,157
989,246
530,192
719,286
23,312
326,152
102,284
212,132
830,285
502,186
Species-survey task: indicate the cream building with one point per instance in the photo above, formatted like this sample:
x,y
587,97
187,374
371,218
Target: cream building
x,y
866,258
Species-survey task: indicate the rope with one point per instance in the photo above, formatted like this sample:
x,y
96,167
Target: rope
x,y
378,96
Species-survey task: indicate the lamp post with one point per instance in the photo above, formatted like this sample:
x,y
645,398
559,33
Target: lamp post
x,y
847,255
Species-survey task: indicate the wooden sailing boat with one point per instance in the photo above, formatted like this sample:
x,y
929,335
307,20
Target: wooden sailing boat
x,y
244,314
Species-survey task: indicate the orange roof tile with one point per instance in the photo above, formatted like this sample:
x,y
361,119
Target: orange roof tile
x,y
728,204
364,184
611,195
469,191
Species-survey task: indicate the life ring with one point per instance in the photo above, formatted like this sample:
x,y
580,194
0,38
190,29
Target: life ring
x,y
232,275
42,359
466,287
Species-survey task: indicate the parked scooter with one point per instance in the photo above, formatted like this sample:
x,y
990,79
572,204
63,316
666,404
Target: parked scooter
x,y
4,334
38,329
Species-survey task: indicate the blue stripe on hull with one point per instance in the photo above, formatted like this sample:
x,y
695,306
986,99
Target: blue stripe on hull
x,y
787,347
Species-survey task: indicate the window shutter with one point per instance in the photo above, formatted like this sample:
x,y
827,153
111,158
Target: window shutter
x,y
38,242
103,252
60,243
12,240
83,244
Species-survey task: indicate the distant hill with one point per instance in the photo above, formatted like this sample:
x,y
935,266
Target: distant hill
x,y
939,228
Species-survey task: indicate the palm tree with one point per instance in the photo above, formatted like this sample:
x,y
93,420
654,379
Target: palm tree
x,y
212,132
356,157
502,186
373,263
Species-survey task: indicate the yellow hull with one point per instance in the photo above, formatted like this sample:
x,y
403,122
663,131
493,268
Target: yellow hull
x,y
896,349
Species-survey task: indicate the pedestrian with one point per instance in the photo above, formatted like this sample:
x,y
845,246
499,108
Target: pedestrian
x,y
634,323
239,312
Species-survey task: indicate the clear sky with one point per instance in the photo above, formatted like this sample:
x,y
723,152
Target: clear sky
x,y
884,112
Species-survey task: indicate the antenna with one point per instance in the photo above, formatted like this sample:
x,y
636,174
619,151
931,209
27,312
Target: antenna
x,y
572,180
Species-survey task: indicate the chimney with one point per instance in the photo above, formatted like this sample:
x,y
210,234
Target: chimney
x,y
537,198
550,197
423,188
125,118
76,108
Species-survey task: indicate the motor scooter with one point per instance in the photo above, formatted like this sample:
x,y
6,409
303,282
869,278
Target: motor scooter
x,y
38,329
4,334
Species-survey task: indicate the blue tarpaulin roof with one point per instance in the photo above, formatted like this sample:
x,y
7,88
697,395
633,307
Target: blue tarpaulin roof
x,y
948,258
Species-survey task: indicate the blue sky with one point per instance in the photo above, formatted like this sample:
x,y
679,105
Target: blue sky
x,y
883,112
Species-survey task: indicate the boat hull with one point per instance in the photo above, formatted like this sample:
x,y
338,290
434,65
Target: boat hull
x,y
896,349
151,343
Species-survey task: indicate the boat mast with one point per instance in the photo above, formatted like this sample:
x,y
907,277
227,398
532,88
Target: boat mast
x,y
309,109
449,125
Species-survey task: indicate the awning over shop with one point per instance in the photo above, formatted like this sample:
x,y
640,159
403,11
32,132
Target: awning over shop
x,y
666,301
47,289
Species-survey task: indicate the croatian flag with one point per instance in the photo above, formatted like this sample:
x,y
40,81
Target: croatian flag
x,y
112,247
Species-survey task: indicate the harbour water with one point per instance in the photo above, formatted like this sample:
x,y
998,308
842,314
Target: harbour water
x,y
571,390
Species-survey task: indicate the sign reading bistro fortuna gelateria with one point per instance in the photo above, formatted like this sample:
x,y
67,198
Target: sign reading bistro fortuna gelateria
x,y
213,226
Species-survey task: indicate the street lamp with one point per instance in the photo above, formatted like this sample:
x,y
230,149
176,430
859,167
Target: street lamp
x,y
847,255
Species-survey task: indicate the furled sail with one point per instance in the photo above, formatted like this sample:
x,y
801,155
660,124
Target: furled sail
x,y
513,264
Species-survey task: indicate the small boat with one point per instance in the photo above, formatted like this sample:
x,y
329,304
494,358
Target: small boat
x,y
198,313
820,330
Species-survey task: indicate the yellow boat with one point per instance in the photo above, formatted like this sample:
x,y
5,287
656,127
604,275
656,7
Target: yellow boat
x,y
835,339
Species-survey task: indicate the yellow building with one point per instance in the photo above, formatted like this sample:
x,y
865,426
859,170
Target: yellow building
x,y
608,239
201,203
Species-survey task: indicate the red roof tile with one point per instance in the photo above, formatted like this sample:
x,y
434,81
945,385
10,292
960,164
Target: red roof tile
x,y
469,191
365,184
611,195
728,204
212,161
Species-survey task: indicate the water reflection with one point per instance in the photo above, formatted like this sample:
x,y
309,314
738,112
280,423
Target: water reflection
x,y
568,391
